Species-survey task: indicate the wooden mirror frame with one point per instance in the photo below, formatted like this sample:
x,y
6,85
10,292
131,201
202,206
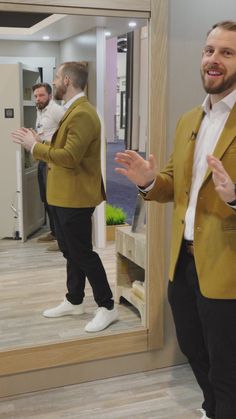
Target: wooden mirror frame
x,y
117,344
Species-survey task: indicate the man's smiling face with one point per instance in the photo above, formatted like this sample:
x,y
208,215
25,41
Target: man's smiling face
x,y
218,69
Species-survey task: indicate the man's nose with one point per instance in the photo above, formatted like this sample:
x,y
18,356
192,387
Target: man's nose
x,y
215,57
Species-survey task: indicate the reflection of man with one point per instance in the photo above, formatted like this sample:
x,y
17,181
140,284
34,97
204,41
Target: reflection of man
x,y
202,287
49,113
74,189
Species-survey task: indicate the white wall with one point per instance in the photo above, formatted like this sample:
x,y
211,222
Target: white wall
x,y
34,54
82,48
121,81
189,23
110,88
30,49
90,47
143,90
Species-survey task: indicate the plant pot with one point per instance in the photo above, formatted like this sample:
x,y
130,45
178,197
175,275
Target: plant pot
x,y
111,231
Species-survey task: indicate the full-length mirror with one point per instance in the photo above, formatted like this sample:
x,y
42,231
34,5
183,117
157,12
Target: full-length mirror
x,y
32,278
35,272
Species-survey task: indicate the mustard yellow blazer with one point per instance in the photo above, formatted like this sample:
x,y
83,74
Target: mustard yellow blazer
x,y
215,222
74,177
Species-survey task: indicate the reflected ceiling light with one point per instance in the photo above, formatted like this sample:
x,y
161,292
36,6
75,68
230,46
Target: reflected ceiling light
x,y
132,24
46,37
107,33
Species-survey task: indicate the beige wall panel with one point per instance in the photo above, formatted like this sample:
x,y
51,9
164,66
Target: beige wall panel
x,y
138,5
47,356
87,371
157,141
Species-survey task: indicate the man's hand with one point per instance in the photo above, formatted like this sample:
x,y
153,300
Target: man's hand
x,y
138,170
223,183
25,137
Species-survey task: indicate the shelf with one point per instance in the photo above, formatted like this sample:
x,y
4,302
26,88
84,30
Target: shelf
x,y
130,273
29,103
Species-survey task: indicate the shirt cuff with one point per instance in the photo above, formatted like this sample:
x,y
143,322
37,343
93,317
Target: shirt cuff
x,y
148,188
231,206
32,148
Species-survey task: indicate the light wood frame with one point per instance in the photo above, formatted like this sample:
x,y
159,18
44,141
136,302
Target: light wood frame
x,y
117,344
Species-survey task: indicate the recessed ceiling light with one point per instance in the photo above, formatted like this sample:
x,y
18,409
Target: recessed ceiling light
x,y
46,37
107,33
132,24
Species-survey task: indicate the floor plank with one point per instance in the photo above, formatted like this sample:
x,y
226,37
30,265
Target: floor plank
x,y
31,280
169,393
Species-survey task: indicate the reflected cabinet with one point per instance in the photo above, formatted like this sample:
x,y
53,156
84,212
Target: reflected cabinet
x,y
22,212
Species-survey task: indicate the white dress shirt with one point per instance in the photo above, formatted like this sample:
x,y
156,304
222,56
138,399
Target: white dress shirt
x,y
73,99
210,130
48,119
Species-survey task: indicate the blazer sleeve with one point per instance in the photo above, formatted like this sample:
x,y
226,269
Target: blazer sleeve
x,y
78,136
163,188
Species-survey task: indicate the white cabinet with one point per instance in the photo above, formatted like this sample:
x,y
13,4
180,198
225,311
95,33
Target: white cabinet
x,y
22,211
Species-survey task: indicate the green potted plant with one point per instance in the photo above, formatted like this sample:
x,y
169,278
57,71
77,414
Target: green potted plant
x,y
115,216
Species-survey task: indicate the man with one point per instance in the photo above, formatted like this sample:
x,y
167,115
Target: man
x,y
49,113
74,189
202,286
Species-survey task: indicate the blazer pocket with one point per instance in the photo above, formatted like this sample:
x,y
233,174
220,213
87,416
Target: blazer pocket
x,y
229,228
229,223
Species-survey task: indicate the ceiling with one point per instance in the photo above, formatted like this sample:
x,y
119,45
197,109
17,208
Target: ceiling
x,y
20,19
33,26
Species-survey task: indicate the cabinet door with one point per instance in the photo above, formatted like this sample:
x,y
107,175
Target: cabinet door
x,y
21,209
10,119
32,207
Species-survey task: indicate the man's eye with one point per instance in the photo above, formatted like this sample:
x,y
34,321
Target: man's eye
x,y
209,51
227,53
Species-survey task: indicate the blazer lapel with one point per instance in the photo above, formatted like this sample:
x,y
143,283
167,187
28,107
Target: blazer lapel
x,y
68,111
72,107
227,136
189,152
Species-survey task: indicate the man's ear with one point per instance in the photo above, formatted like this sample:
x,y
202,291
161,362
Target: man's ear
x,y
66,80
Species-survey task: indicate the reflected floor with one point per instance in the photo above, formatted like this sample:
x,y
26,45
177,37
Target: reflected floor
x,y
33,279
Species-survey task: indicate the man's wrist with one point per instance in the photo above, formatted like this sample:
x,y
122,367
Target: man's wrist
x,y
147,187
233,203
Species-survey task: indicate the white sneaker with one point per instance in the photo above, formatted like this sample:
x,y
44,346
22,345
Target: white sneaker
x,y
64,309
102,319
204,416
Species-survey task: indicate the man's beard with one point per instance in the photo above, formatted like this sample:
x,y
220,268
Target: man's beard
x,y
59,92
42,105
225,84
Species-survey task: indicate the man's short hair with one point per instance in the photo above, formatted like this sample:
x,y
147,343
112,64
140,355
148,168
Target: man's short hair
x,y
77,71
46,86
228,25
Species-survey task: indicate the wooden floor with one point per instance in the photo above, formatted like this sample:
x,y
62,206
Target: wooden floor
x,y
32,280
170,393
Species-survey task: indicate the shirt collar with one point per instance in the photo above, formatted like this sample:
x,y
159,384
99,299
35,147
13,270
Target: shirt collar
x,y
228,100
73,99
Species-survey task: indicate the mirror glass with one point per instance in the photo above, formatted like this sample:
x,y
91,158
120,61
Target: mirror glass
x,y
33,278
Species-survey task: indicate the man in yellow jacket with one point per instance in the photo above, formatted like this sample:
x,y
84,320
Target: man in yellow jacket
x,y
199,180
74,188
